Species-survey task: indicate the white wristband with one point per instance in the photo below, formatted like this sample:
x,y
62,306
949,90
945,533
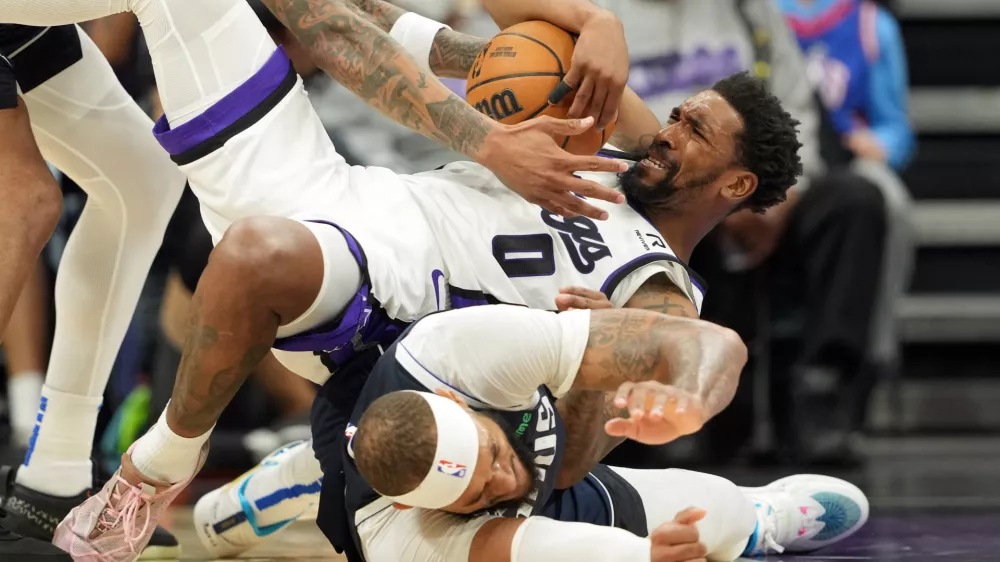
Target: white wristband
x,y
416,34
540,539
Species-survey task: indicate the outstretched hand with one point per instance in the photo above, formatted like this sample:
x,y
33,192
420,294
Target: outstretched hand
x,y
657,413
528,160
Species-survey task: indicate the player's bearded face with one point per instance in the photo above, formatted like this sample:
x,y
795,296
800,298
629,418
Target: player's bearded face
x,y
524,466
655,183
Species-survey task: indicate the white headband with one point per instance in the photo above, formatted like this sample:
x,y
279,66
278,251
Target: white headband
x,y
454,460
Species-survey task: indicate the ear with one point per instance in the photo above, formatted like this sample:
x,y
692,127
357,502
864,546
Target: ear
x,y
741,186
453,396
401,507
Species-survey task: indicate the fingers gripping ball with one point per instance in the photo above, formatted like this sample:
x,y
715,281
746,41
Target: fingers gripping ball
x,y
511,79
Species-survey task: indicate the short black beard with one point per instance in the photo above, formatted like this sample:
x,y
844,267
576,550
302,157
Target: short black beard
x,y
666,197
646,199
525,455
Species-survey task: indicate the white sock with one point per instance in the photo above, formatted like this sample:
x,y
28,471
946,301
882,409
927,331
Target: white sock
x,y
23,392
163,455
58,458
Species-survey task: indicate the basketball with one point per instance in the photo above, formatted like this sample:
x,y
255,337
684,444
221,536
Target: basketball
x,y
511,79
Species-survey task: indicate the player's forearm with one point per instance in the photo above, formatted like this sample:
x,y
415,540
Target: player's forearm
x,y
637,345
637,124
452,53
346,43
570,15
584,414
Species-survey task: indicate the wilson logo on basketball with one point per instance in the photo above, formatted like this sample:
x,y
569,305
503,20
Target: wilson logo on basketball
x,y
500,105
452,469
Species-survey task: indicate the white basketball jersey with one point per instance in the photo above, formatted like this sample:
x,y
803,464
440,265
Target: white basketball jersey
x,y
436,240
488,245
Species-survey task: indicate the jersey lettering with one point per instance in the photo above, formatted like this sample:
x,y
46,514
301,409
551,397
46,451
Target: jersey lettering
x,y
530,255
582,238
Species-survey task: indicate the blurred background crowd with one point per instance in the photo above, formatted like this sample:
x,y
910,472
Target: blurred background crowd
x,y
870,300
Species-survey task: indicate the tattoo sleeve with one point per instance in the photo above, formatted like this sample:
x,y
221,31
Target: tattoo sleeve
x,y
584,413
350,42
637,345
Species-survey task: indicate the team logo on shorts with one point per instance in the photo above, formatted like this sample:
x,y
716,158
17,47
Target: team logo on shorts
x,y
452,469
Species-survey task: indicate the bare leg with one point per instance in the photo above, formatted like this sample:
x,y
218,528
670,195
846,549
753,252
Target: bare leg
x,y
32,204
279,266
26,350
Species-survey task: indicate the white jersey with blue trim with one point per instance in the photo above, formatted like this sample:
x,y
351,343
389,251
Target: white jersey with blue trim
x,y
492,246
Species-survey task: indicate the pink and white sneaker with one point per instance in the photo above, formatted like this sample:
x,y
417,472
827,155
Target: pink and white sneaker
x,y
115,524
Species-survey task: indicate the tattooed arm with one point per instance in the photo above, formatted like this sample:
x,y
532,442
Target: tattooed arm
x,y
452,53
345,42
585,412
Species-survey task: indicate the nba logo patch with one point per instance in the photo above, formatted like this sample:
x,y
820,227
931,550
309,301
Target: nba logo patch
x,y
349,432
452,469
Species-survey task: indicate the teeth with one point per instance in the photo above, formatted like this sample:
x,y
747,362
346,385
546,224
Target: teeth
x,y
654,163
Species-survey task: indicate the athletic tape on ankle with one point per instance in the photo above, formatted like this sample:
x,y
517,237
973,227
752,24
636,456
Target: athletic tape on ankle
x,y
416,34
454,460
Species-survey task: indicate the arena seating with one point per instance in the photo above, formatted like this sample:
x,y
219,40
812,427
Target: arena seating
x,y
951,319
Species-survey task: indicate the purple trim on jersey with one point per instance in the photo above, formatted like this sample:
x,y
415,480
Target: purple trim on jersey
x,y
226,111
647,257
462,302
362,322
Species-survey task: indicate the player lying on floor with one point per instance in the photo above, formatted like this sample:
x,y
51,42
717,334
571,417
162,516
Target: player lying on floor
x,y
456,419
347,254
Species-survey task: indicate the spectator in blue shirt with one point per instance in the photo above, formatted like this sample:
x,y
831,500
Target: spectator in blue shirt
x,y
856,60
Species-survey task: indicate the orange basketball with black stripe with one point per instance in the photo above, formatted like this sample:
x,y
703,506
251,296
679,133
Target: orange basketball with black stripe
x,y
511,79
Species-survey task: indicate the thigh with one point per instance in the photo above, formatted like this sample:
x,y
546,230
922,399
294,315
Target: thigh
x,y
730,516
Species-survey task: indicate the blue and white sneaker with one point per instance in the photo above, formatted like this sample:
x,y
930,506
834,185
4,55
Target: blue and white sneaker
x,y
232,519
805,512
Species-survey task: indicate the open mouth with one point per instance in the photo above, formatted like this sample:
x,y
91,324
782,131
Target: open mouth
x,y
654,162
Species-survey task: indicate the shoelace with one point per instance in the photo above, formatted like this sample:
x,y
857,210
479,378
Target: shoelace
x,y
769,531
124,509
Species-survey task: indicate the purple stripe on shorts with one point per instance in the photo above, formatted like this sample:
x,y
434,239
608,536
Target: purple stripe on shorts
x,y
226,111
329,337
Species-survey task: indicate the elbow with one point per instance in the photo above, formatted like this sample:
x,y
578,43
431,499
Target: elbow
x,y
730,357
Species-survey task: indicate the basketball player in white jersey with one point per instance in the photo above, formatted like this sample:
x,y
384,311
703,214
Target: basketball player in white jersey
x,y
347,254
489,446
84,123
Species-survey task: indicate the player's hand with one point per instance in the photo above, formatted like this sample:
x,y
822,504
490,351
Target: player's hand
x,y
864,144
657,413
598,71
527,159
580,298
679,540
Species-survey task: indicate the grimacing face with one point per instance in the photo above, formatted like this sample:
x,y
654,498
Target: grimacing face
x,y
505,471
691,159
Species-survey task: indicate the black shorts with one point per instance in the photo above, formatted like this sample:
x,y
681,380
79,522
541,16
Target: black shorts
x,y
8,85
33,55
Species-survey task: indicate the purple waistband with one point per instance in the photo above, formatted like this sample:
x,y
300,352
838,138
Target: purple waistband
x,y
226,111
